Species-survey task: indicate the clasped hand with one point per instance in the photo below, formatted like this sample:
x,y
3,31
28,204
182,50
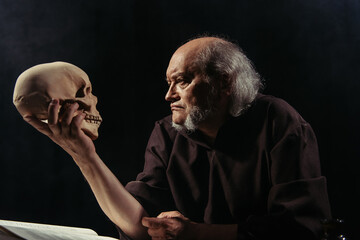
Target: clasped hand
x,y
168,225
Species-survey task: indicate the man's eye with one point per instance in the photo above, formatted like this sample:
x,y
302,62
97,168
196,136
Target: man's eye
x,y
183,83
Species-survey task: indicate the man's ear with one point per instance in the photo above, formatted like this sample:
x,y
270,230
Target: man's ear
x,y
225,85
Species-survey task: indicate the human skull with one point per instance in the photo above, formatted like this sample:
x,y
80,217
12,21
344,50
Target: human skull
x,y
38,85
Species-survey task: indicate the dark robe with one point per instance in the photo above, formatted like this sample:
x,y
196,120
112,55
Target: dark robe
x,y
262,173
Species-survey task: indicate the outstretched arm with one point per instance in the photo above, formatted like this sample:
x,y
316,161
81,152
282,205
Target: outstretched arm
x,y
117,203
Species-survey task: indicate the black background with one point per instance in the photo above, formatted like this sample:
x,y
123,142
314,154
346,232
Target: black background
x,y
307,52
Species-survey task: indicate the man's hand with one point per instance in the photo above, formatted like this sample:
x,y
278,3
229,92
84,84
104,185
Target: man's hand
x,y
173,225
64,129
168,225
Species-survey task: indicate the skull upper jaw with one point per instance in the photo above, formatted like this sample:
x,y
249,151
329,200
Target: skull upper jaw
x,y
91,126
37,105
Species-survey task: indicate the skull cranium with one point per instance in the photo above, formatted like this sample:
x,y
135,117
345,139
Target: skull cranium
x,y
38,85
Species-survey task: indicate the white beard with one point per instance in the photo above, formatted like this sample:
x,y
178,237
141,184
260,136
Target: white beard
x,y
193,119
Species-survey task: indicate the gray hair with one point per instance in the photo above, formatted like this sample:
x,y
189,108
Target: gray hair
x,y
224,61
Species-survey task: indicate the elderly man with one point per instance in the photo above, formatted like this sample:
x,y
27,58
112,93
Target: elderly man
x,y
229,163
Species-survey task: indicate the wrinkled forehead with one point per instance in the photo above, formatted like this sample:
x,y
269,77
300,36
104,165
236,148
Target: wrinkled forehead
x,y
182,61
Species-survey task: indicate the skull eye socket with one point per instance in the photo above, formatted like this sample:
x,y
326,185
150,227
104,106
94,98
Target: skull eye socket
x,y
80,93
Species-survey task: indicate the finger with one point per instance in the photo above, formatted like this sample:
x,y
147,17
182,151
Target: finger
x,y
76,124
170,214
38,124
53,115
53,112
151,222
156,232
68,115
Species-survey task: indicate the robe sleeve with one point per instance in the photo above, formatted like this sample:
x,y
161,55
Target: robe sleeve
x,y
151,187
297,199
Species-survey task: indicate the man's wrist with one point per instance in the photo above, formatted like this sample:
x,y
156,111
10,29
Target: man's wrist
x,y
87,164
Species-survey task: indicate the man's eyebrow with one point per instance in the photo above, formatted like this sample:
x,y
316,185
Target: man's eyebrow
x,y
177,75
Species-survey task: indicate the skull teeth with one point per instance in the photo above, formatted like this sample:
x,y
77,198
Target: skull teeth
x,y
93,119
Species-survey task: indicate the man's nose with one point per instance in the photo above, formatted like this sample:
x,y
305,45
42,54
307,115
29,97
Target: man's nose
x,y
172,95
